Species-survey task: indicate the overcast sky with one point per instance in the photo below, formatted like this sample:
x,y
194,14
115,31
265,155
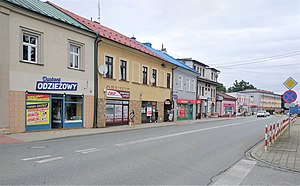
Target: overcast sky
x,y
226,34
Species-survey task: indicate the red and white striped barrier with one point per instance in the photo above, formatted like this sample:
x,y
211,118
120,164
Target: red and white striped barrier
x,y
274,130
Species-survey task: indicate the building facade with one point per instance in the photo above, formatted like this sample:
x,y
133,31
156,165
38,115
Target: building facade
x,y
244,103
226,105
206,87
133,78
46,68
265,100
183,89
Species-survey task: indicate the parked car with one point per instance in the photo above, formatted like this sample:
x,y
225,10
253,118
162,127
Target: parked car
x,y
261,113
268,113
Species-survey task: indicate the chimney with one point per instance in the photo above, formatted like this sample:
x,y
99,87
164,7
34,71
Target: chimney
x,y
133,37
164,50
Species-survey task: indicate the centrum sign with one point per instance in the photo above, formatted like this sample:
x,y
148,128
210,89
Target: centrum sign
x,y
53,83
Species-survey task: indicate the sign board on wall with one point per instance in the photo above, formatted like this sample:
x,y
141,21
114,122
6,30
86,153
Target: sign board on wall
x,y
55,84
149,111
118,94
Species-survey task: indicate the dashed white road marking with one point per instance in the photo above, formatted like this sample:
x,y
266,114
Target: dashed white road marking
x,y
176,134
50,159
85,151
236,174
38,157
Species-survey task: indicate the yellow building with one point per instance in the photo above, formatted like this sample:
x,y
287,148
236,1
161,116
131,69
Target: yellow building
x,y
130,78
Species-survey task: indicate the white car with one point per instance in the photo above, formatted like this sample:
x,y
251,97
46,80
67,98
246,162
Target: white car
x,y
261,113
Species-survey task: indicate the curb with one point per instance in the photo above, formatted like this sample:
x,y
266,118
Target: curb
x,y
251,154
166,124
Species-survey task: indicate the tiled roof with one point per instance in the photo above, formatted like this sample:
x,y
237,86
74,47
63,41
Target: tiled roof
x,y
226,96
108,33
170,59
46,10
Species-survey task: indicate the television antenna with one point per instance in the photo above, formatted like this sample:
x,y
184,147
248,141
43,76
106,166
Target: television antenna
x,y
99,11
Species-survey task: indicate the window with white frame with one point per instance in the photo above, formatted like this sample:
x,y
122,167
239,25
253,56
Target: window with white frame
x,y
30,46
188,84
76,55
180,83
193,86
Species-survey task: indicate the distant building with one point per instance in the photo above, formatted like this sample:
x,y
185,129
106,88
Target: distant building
x,y
206,86
264,99
244,103
226,105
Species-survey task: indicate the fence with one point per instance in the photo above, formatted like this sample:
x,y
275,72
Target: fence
x,y
274,130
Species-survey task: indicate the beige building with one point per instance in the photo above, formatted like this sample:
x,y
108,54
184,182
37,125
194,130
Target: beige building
x,y
130,78
46,73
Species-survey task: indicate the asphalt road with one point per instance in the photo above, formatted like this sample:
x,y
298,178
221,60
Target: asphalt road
x,y
187,154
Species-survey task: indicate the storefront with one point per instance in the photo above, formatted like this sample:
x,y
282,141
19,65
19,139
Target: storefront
x,y
117,106
229,109
45,111
149,111
185,109
51,111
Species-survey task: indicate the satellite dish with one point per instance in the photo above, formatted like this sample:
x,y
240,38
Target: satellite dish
x,y
102,69
152,80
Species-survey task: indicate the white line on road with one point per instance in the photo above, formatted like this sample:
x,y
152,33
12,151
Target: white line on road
x,y
236,174
38,157
50,159
85,151
176,134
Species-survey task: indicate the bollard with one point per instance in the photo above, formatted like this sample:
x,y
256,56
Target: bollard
x,y
266,138
270,135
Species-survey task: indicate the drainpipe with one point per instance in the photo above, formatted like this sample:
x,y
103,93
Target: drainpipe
x,y
97,40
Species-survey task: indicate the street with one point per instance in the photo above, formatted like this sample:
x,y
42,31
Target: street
x,y
187,154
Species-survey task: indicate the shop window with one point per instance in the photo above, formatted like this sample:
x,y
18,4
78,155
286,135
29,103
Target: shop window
x,y
117,111
73,108
30,46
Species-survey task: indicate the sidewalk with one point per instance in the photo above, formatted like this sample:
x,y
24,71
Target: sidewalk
x,y
54,134
284,153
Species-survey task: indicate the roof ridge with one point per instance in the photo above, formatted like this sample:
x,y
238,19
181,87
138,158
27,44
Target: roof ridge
x,y
110,33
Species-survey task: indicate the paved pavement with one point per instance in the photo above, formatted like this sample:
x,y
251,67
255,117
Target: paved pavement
x,y
284,153
54,134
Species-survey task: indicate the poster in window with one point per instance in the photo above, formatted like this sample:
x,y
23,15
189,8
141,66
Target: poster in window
x,y
149,111
118,113
109,113
37,113
125,113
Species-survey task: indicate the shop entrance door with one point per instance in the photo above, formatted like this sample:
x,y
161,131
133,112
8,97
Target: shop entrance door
x,y
57,113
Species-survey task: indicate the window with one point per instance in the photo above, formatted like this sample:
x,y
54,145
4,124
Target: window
x,y
30,46
193,87
202,91
123,70
145,75
212,76
199,90
73,109
200,71
74,56
168,80
203,72
109,65
180,83
188,84
154,75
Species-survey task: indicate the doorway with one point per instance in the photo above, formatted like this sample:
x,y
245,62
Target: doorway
x,y
57,113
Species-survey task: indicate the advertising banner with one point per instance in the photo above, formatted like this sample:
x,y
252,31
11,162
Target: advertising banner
x,y
37,113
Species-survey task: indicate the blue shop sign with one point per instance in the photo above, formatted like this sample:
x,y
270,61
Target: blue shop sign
x,y
55,84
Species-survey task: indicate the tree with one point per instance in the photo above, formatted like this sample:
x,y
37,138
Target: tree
x,y
240,86
221,89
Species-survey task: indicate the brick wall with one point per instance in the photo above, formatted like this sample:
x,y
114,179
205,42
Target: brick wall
x,y
16,112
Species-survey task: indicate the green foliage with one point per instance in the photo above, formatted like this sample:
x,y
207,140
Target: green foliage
x,y
221,89
240,86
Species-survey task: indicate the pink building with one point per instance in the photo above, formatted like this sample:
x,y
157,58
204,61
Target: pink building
x,y
226,105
